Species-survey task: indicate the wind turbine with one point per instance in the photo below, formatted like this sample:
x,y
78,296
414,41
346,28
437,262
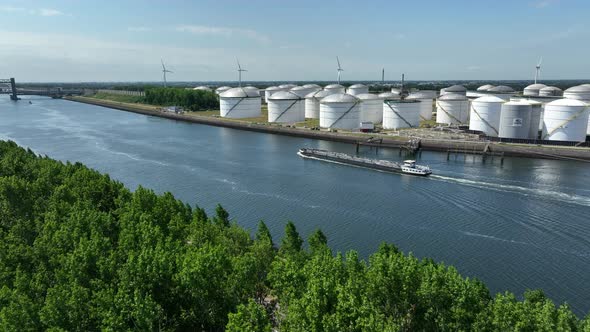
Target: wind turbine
x,y
340,70
240,70
164,71
538,69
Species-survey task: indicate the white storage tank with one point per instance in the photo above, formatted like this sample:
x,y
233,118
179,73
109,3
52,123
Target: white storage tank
x,y
533,89
202,87
515,120
565,120
401,113
580,92
396,91
389,95
315,86
340,111
303,91
252,88
455,89
286,107
502,91
426,98
452,109
485,87
357,89
239,103
550,91
485,115
222,89
287,87
334,88
371,108
536,118
269,91
312,103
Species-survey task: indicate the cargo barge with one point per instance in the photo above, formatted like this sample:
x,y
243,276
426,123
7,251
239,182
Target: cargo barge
x,y
407,167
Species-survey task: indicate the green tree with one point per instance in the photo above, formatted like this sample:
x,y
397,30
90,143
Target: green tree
x,y
249,317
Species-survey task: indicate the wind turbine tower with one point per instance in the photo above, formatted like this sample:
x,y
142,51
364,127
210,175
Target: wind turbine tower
x,y
538,70
240,70
340,70
164,71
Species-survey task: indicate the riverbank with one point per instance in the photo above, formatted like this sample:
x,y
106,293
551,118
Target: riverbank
x,y
386,141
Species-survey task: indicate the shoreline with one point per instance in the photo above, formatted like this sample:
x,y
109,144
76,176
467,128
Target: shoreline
x,y
439,145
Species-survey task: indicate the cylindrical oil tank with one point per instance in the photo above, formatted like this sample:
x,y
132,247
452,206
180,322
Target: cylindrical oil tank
x,y
286,107
452,109
426,98
315,86
340,111
399,113
222,89
502,91
454,89
389,95
515,120
550,91
357,89
485,87
565,120
536,118
287,87
312,103
371,108
202,87
580,92
252,89
239,103
485,115
269,91
335,88
303,91
533,89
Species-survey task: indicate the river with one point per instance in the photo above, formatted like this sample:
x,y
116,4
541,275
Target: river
x,y
524,224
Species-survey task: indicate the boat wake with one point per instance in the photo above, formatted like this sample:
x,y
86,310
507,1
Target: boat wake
x,y
544,193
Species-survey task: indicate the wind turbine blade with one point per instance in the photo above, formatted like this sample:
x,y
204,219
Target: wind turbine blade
x,y
163,67
238,61
540,60
338,60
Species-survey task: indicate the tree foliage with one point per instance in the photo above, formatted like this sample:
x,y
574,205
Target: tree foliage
x,y
80,252
194,100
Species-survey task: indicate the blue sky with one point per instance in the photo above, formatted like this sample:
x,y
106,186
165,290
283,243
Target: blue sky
x,y
293,40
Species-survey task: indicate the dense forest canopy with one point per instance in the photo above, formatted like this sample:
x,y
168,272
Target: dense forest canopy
x,y
80,252
194,100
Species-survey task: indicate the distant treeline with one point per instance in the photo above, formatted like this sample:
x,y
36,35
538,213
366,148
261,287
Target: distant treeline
x,y
80,252
194,100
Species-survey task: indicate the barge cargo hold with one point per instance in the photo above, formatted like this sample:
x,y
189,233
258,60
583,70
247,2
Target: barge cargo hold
x,y
407,167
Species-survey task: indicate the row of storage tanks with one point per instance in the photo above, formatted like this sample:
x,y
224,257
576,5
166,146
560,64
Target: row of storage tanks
x,y
335,106
495,111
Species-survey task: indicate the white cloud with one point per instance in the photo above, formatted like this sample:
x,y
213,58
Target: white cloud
x,y
39,11
139,29
474,68
48,12
11,9
223,31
